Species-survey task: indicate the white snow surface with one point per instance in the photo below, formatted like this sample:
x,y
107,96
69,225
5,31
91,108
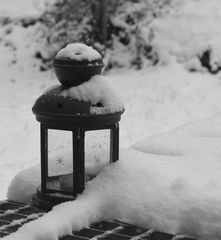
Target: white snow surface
x,y
203,136
97,90
16,8
157,99
28,180
79,52
164,182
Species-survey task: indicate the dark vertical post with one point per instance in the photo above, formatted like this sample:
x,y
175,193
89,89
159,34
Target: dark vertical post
x,y
111,144
115,142
103,20
78,161
82,161
44,157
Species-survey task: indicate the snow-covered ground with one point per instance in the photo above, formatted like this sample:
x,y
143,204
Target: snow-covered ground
x,y
16,8
157,99
169,182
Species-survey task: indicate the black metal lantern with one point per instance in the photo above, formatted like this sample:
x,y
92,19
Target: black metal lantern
x,y
69,130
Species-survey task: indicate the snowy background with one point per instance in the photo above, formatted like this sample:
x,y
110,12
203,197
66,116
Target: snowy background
x,y
158,98
176,81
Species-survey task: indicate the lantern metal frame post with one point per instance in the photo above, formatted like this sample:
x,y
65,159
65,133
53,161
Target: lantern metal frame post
x,y
44,156
78,147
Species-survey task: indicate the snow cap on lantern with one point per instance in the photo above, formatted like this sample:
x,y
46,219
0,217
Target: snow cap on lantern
x,y
83,93
86,106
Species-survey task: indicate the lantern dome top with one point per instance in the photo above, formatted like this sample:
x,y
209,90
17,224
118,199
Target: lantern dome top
x,y
77,63
93,101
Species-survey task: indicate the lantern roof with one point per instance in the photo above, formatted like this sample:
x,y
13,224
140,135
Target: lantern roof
x,y
91,103
85,97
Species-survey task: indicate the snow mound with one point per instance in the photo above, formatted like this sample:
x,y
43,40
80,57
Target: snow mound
x,y
23,186
202,136
79,52
173,189
97,90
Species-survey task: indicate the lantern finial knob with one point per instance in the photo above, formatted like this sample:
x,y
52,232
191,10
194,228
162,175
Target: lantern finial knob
x,y
77,63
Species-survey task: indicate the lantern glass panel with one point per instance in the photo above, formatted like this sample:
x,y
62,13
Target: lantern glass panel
x,y
60,161
98,150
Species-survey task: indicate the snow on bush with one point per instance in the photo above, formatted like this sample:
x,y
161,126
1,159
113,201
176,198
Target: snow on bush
x,y
190,33
97,90
79,52
80,21
129,43
142,33
174,190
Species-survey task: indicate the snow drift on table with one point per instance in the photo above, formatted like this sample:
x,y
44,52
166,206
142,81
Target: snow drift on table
x,y
163,184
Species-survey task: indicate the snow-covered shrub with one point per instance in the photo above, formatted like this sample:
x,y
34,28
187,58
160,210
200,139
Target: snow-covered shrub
x,y
127,42
63,22
128,26
190,35
67,20
139,33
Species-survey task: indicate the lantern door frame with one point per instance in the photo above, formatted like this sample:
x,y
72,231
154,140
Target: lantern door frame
x,y
78,150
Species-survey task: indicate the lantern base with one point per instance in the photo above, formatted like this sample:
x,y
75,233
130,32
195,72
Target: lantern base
x,y
48,200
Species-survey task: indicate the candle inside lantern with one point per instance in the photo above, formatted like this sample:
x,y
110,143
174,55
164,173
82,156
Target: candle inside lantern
x,y
66,181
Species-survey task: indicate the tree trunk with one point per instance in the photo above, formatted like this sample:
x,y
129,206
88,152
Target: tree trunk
x,y
103,20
